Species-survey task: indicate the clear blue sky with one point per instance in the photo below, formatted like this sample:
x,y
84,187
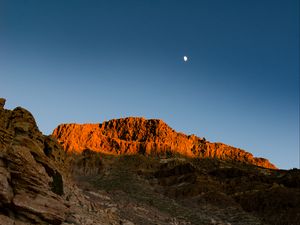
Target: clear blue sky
x,y
89,61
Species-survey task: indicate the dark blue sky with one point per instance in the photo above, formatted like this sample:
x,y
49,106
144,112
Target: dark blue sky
x,y
89,61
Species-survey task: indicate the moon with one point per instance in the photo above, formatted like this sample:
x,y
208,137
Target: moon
x,y
185,58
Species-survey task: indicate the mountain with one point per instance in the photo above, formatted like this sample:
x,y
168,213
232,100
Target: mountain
x,y
151,137
35,183
41,183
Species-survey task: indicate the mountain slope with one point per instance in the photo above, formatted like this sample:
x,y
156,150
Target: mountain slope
x,y
40,183
35,183
152,137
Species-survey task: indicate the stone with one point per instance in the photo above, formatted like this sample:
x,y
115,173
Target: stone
x,y
5,220
135,135
6,192
2,102
35,179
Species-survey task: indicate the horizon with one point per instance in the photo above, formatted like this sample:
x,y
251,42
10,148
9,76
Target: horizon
x,y
88,62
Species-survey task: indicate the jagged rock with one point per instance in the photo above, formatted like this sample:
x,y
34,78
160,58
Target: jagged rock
x,y
35,184
5,220
6,192
212,186
138,135
2,102
26,190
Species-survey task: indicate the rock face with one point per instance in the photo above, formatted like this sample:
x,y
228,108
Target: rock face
x,y
2,103
138,135
35,186
31,183
41,183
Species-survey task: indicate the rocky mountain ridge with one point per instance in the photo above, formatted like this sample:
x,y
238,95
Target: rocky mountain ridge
x,y
134,135
41,183
35,184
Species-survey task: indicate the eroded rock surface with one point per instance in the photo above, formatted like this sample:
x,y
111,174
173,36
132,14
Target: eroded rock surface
x,y
2,102
41,183
35,186
138,135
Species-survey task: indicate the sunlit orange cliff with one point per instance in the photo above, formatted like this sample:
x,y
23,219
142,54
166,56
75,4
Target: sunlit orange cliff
x,y
150,137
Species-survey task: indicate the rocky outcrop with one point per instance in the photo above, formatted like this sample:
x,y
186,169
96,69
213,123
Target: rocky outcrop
x,y
2,102
138,135
35,185
31,184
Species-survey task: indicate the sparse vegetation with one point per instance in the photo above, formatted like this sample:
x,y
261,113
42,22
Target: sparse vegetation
x,y
192,188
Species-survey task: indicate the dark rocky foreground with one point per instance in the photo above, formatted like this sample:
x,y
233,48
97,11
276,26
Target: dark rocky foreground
x,y
41,184
194,191
35,185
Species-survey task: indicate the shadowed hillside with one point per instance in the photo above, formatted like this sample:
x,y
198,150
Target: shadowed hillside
x,y
180,190
41,183
36,186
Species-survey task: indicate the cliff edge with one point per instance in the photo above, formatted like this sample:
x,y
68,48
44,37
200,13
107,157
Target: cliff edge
x,y
134,135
